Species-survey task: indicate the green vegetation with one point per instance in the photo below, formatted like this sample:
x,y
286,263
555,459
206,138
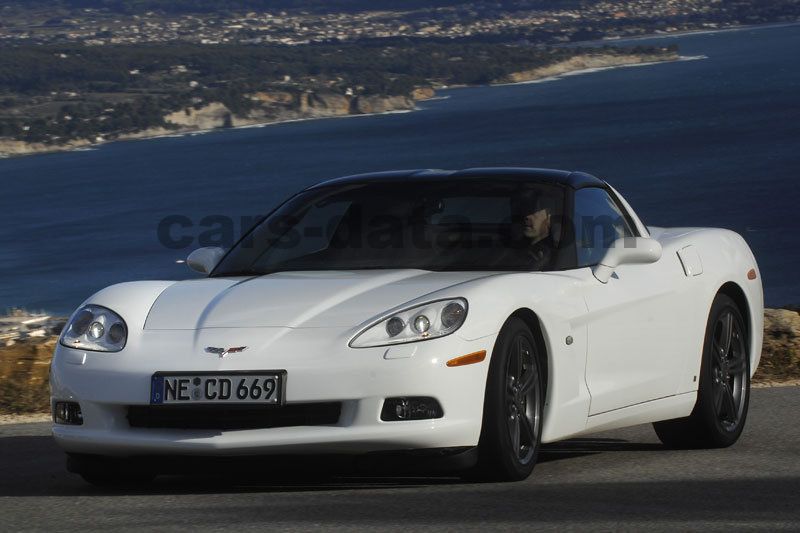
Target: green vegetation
x,y
41,69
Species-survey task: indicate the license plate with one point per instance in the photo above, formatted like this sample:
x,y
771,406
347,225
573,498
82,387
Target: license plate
x,y
262,387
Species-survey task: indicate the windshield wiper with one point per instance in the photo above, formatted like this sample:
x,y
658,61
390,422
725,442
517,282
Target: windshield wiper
x,y
249,272
238,273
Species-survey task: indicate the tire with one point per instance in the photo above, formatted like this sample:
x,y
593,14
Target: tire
x,y
108,472
723,396
509,443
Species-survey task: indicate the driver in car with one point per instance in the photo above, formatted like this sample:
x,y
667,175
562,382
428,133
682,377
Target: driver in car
x,y
538,248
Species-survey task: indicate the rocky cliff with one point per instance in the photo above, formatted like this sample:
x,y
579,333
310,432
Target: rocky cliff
x,y
315,104
382,104
423,93
268,107
781,353
213,115
10,147
585,62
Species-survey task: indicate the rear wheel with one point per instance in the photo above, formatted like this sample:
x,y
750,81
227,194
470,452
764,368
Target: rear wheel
x,y
513,407
724,391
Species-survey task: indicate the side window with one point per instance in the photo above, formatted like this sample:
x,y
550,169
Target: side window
x,y
598,223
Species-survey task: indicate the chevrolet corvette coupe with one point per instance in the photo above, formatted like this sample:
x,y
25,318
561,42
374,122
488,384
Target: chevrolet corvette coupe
x,y
467,315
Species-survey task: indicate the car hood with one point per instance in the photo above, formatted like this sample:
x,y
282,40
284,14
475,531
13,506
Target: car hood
x,y
294,299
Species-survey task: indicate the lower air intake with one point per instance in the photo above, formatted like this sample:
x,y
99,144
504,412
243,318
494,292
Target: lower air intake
x,y
233,417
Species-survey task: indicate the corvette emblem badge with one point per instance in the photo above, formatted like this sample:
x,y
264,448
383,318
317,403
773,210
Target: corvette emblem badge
x,y
222,352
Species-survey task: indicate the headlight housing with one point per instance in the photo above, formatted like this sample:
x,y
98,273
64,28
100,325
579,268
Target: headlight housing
x,y
95,328
422,322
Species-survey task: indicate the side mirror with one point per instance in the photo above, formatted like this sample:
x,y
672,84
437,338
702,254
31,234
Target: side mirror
x,y
204,260
627,251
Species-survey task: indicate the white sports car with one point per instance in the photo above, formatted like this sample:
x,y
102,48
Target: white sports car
x,y
470,315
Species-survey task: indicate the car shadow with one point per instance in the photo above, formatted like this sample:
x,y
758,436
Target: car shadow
x,y
589,446
34,465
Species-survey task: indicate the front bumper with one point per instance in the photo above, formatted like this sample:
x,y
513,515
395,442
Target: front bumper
x,y
320,368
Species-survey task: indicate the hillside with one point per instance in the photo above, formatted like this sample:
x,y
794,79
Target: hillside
x,y
61,97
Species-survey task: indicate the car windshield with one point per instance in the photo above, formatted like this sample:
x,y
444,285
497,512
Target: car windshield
x,y
466,224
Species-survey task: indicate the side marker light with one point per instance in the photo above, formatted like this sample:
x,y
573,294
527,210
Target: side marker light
x,y
469,359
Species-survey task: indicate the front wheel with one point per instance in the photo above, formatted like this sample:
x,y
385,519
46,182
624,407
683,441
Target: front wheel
x,y
513,406
723,395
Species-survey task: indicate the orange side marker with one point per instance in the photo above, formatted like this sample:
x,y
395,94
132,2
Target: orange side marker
x,y
471,358
751,274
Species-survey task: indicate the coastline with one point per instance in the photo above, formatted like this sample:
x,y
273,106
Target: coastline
x,y
577,68
383,105
684,33
592,70
12,148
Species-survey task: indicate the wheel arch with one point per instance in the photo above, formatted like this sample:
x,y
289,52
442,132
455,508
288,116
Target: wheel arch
x,y
531,320
735,292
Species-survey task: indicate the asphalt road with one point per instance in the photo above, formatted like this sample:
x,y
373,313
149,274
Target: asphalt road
x,y
610,481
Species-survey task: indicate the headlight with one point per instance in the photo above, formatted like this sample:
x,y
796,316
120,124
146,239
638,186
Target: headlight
x,y
95,328
421,322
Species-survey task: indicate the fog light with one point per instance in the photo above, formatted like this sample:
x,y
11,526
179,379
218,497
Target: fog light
x,y
67,413
410,408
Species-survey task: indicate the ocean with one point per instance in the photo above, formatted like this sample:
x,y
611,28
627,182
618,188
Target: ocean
x,y
711,141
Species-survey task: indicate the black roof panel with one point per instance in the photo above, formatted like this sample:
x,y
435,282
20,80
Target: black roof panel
x,y
576,180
